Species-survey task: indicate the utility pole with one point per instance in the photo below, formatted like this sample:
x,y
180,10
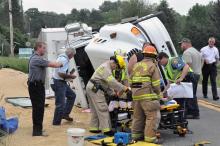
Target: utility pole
x,y
11,28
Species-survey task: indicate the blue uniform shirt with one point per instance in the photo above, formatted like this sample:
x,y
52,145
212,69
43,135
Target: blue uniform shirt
x,y
63,58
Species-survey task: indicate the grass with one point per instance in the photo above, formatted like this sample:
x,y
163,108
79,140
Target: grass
x,y
14,63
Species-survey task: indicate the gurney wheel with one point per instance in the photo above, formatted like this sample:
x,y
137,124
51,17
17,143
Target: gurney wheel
x,y
181,131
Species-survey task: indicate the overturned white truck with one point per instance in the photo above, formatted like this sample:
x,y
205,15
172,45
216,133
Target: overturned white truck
x,y
92,49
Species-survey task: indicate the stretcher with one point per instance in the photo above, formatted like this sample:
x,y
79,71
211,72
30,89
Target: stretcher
x,y
172,117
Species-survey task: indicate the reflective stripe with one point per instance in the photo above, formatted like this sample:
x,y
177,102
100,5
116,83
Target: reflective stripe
x,y
146,96
93,128
137,135
110,78
100,70
122,75
173,74
140,79
106,130
156,83
150,139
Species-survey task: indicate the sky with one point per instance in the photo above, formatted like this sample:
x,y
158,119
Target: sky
x,y
65,6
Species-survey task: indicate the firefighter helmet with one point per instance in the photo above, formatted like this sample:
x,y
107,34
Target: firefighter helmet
x,y
149,51
119,60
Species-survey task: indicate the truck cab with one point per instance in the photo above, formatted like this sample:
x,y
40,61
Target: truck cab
x,y
94,48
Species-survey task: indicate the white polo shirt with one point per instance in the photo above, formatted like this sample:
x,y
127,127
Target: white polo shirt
x,y
210,54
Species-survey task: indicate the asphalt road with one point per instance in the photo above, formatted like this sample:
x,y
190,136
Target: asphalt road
x,y
207,128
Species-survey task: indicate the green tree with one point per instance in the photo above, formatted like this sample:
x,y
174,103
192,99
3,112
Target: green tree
x,y
199,26
17,13
95,19
169,20
72,17
215,17
108,6
84,15
35,21
133,8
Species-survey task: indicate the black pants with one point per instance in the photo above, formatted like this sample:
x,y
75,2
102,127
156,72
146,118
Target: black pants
x,y
37,96
209,70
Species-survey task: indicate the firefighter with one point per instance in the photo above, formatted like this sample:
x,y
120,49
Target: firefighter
x,y
101,85
145,79
121,75
135,56
177,71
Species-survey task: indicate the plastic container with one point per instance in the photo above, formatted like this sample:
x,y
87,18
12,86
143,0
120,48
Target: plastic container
x,y
76,136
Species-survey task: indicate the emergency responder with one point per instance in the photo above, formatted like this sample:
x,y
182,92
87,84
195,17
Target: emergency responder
x,y
177,71
145,84
135,56
121,74
99,86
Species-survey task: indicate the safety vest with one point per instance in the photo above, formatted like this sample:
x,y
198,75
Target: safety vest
x,y
173,74
143,77
120,75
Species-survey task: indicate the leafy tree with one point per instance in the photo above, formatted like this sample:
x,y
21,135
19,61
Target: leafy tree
x,y
17,14
108,6
199,26
216,20
95,19
169,20
84,15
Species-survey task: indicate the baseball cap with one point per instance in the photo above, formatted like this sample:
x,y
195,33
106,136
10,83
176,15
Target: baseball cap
x,y
185,40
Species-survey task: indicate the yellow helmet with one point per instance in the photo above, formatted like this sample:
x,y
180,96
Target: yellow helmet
x,y
119,61
121,52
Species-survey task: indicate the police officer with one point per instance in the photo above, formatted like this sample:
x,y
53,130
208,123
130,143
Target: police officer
x,y
145,79
64,95
36,80
177,71
101,83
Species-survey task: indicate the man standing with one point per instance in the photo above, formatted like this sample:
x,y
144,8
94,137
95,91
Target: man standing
x,y
62,89
192,57
210,54
145,79
36,80
101,85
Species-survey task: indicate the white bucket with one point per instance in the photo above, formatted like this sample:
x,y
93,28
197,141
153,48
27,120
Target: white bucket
x,y
76,136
